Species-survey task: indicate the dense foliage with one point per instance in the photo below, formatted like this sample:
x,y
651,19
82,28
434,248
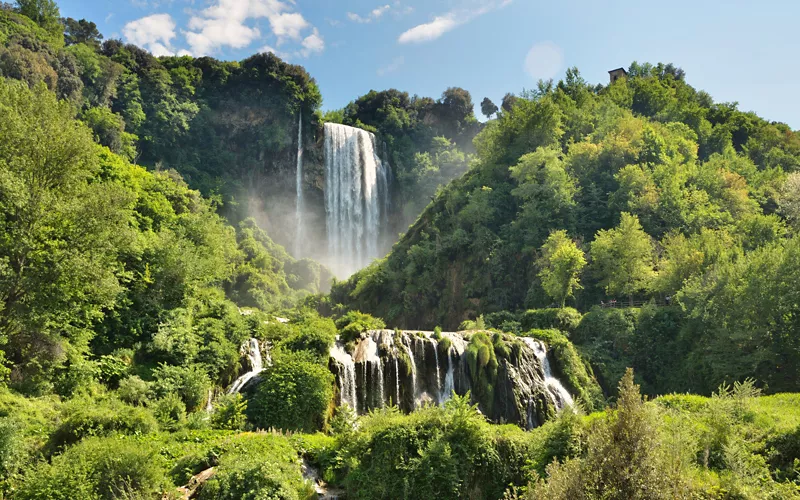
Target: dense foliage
x,y
127,301
670,197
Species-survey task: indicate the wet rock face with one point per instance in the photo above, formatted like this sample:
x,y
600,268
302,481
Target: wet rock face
x,y
411,368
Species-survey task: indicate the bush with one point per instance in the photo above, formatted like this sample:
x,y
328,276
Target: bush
x,y
133,390
294,394
170,412
12,446
566,319
315,335
605,337
191,383
482,363
258,466
84,417
98,469
446,452
354,323
229,413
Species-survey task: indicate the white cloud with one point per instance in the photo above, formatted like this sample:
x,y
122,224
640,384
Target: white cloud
x,y
449,21
313,44
377,13
155,33
393,66
223,24
544,61
288,25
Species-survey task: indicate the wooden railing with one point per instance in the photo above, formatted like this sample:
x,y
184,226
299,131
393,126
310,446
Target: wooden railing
x,y
619,304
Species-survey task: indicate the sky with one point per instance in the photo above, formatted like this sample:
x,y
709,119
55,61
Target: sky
x,y
736,50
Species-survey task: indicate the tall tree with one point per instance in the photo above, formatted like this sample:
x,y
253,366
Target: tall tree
x,y
509,100
561,264
82,31
488,108
789,201
44,12
623,258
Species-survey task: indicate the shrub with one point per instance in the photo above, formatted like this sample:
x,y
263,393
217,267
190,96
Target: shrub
x,y
229,413
565,319
482,362
258,466
191,383
133,390
448,452
84,417
294,394
98,469
354,323
170,412
315,335
12,446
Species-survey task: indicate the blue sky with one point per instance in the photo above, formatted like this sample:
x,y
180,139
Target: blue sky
x,y
736,50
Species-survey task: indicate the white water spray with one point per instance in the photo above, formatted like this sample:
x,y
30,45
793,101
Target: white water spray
x,y
299,235
256,366
356,197
560,394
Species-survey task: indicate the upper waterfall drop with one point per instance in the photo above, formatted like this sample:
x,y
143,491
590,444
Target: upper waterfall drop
x,y
356,197
299,229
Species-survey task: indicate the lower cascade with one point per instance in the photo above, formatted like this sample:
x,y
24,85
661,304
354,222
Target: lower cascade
x,y
412,368
252,350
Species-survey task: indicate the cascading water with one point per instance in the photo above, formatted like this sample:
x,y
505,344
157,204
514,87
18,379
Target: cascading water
x,y
347,379
253,352
525,390
413,373
449,382
438,379
356,197
300,205
560,394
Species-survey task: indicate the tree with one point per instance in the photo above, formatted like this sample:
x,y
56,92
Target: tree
x,y
61,233
294,394
789,201
82,31
488,108
509,101
623,258
561,263
44,12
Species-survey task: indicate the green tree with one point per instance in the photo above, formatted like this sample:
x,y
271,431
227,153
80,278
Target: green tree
x,y
561,263
488,108
623,258
44,12
294,394
61,233
82,31
789,201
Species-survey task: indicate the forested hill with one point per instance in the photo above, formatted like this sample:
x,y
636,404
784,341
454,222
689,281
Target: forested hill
x,y
643,190
230,128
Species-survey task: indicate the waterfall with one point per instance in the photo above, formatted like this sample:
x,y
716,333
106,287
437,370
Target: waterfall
x,y
413,373
438,380
253,352
347,376
299,234
559,392
526,390
449,382
356,196
397,378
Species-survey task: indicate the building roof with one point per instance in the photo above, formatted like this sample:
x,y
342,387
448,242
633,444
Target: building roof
x,y
618,69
